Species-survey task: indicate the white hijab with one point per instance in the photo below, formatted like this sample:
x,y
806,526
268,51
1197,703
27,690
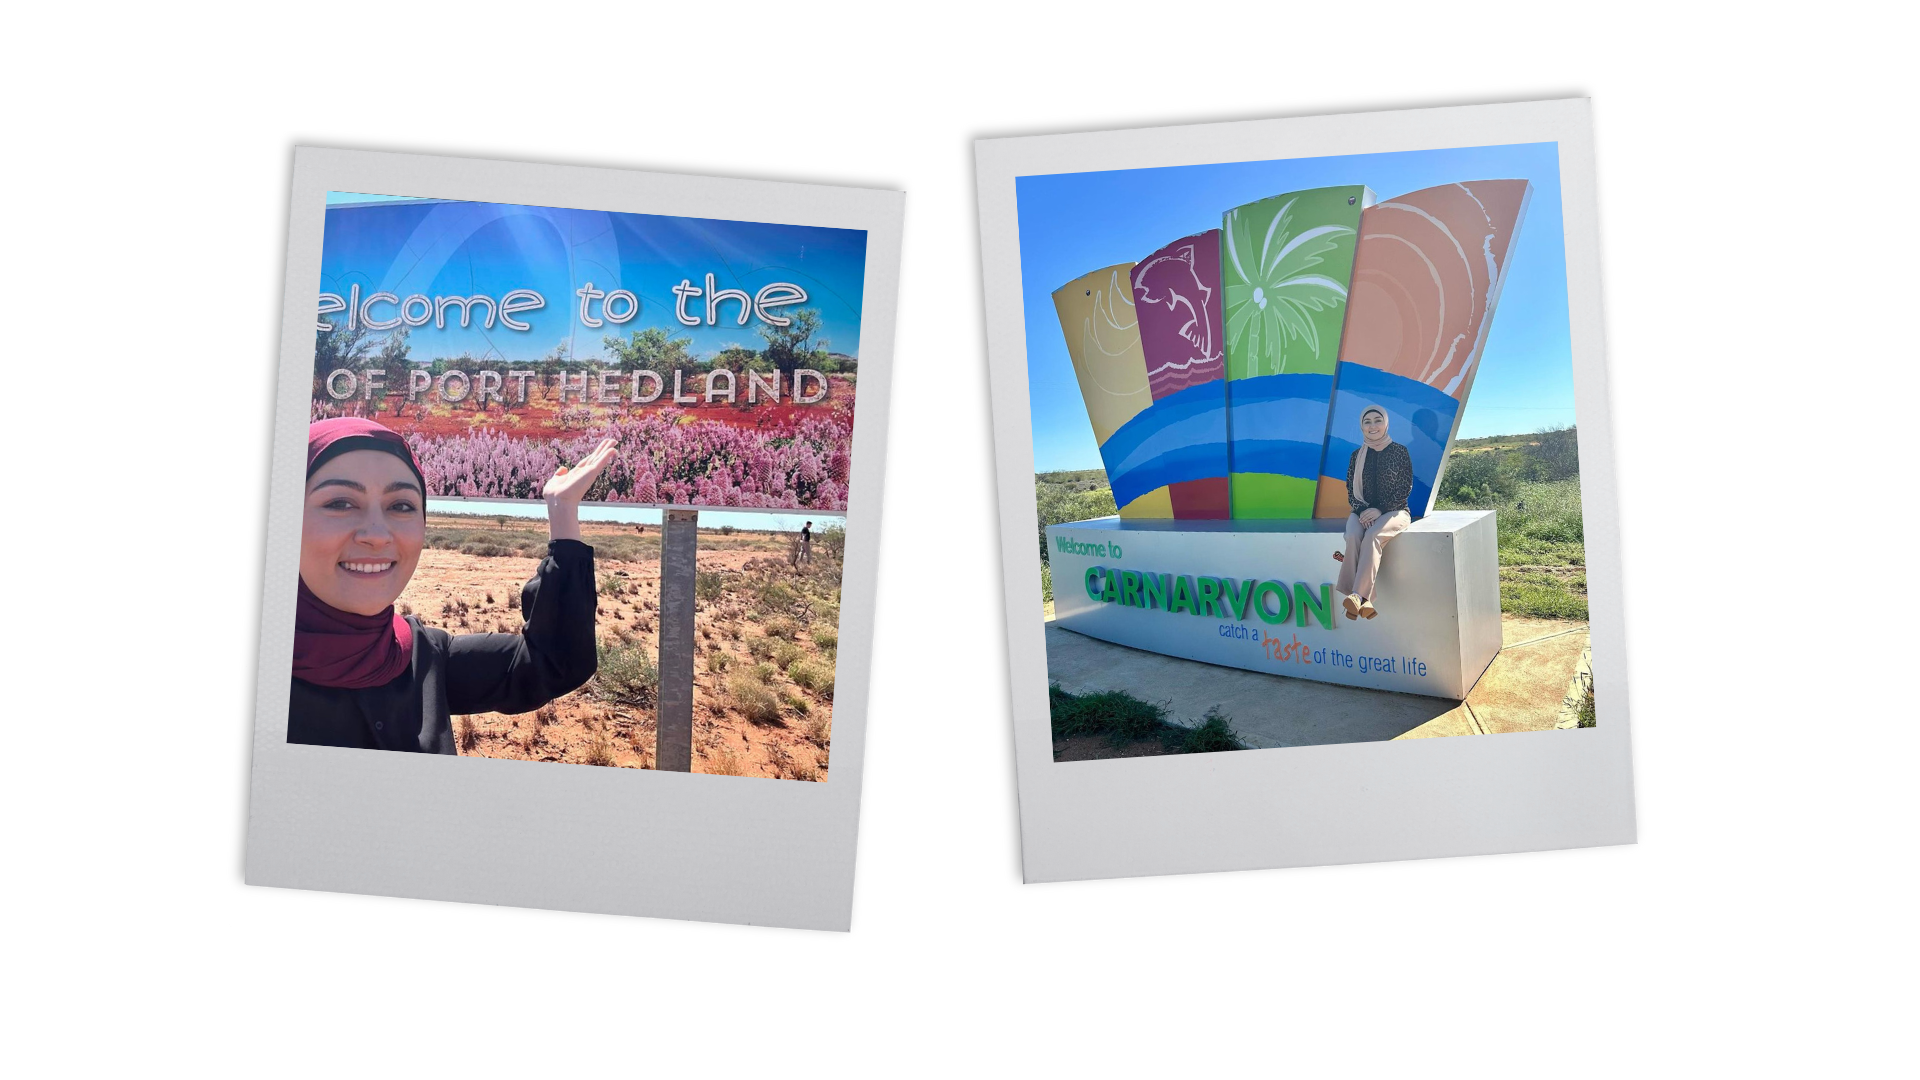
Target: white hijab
x,y
1366,444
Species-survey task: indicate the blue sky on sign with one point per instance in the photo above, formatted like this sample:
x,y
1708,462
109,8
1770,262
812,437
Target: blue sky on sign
x,y
435,248
838,256
1071,223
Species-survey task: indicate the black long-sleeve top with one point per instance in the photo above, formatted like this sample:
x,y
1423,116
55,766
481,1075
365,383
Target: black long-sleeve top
x,y
466,673
1389,479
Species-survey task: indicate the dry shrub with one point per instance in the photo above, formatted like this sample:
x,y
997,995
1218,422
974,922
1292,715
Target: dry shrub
x,y
725,762
803,768
719,660
750,697
766,673
779,759
600,751
547,714
466,734
759,647
796,703
820,731
782,628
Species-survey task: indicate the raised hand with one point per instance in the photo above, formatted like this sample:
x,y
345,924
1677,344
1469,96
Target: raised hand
x,y
567,486
571,484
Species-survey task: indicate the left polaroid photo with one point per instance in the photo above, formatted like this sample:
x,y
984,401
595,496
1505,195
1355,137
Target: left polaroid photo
x,y
570,469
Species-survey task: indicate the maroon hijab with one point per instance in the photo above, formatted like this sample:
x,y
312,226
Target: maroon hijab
x,y
338,648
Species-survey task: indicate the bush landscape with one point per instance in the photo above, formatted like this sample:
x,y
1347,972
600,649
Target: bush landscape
x,y
718,453
1531,481
751,718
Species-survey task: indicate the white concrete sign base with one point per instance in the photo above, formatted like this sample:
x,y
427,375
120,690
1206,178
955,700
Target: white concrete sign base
x,y
1260,595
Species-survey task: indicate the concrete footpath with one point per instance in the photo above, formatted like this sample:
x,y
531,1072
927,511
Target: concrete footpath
x,y
1524,689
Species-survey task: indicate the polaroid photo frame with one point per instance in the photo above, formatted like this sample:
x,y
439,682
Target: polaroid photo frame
x,y
615,840
1308,806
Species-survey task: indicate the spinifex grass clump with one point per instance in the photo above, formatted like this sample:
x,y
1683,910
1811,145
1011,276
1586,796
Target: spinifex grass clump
x,y
786,654
750,697
627,675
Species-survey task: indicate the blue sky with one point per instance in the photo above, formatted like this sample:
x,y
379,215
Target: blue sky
x,y
436,248
1071,223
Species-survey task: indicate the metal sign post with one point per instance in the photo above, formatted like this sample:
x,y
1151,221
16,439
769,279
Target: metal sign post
x,y
679,544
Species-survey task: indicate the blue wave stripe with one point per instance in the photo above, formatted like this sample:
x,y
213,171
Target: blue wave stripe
x,y
1173,467
1181,437
1278,423
1419,417
1282,456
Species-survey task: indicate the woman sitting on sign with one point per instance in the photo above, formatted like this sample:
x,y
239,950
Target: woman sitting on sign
x,y
1379,479
366,677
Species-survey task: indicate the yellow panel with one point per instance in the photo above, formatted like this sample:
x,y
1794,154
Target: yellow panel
x,y
1157,503
1330,498
1103,338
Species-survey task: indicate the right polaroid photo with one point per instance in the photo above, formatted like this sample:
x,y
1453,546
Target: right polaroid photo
x,y
1303,446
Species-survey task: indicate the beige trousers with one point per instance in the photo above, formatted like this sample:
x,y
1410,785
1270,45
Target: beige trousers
x,y
1364,546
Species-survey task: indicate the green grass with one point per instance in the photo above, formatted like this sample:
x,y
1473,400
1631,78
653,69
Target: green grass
x,y
1125,719
1543,551
1214,734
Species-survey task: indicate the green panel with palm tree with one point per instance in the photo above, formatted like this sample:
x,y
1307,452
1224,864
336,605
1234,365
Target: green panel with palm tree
x,y
1286,263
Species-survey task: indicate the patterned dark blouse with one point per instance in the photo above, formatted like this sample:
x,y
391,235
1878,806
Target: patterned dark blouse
x,y
1389,480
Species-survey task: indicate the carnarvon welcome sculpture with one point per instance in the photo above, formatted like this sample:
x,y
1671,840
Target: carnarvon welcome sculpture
x,y
1225,375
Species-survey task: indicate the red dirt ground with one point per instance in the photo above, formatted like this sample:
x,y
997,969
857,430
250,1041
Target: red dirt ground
x,y
795,745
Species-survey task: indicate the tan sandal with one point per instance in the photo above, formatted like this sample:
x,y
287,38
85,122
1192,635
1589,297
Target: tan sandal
x,y
1352,604
1366,609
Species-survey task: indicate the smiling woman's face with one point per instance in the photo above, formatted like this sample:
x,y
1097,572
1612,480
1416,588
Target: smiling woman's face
x,y
365,522
1374,423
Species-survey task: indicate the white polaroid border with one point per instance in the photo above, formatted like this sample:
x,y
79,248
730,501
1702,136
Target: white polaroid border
x,y
1312,805
533,834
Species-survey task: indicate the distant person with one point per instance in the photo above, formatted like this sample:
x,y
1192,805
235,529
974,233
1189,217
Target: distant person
x,y
1379,479
364,676
805,551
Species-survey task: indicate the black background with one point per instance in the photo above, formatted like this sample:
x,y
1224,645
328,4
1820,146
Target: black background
x,y
939,834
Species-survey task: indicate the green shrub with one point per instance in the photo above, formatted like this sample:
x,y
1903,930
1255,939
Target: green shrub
x,y
709,585
782,628
764,672
826,637
760,647
811,676
627,674
1213,735
774,597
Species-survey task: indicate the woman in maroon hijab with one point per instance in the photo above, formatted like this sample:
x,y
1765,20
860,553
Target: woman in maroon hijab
x,y
363,676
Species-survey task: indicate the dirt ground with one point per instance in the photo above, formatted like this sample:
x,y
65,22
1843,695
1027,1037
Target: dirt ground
x,y
753,609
